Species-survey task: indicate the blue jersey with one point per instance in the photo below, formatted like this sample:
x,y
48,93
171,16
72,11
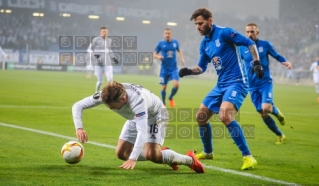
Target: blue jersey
x,y
168,51
265,49
220,48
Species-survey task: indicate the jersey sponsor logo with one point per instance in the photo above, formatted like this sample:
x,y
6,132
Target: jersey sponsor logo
x,y
217,43
140,114
217,62
169,54
96,96
260,49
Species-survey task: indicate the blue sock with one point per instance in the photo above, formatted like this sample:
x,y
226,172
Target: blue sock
x,y
174,90
236,133
163,93
272,126
274,110
205,133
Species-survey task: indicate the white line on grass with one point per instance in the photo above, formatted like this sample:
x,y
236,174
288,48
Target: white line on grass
x,y
55,135
113,147
105,108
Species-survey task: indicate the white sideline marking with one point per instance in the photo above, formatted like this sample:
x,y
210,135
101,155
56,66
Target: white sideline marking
x,y
55,135
113,147
105,108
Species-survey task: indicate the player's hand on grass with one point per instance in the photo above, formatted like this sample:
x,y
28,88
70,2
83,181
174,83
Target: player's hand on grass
x,y
129,164
184,72
81,135
287,65
258,69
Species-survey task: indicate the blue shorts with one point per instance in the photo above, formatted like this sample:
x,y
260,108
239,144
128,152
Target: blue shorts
x,y
262,95
235,94
167,76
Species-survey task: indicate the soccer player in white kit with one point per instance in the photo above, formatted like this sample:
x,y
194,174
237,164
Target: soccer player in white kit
x,y
315,72
103,58
144,131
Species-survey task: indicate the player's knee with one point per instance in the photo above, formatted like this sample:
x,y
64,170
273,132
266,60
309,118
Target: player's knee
x,y
153,155
122,155
201,118
267,109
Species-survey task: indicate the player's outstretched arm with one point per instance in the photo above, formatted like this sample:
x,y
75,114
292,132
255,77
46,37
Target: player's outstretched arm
x,y
186,71
287,64
181,57
157,56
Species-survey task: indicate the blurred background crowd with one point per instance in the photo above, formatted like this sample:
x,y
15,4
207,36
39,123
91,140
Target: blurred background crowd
x,y
292,26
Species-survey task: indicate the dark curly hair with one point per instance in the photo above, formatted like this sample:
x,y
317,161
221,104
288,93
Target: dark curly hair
x,y
202,12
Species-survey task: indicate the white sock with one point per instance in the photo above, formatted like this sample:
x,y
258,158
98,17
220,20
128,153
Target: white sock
x,y
142,156
171,157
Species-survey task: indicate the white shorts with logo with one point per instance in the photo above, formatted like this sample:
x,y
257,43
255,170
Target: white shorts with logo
x,y
155,132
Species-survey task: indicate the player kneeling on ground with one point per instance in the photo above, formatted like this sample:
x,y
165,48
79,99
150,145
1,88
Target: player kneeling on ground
x,y
143,133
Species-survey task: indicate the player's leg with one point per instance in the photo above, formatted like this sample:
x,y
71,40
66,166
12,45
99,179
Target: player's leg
x,y
108,69
268,107
232,100
209,106
99,75
175,80
267,103
126,142
89,71
156,154
163,80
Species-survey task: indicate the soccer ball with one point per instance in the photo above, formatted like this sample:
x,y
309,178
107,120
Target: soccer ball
x,y
72,152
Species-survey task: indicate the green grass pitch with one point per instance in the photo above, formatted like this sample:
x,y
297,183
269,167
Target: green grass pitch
x,y
42,101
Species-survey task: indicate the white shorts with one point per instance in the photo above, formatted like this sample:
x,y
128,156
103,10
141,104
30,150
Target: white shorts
x,y
129,132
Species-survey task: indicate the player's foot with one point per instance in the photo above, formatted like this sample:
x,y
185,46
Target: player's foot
x,y
197,166
249,163
281,117
172,103
174,166
204,155
280,139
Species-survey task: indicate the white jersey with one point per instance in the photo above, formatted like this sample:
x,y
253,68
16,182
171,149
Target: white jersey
x,y
314,68
100,51
141,106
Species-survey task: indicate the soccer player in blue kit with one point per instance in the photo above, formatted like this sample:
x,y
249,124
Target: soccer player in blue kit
x,y
169,70
219,46
261,90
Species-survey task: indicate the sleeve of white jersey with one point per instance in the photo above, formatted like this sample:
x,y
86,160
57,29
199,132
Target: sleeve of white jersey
x,y
3,53
86,103
139,108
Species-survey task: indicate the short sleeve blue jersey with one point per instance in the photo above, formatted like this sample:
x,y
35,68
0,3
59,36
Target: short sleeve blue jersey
x,y
220,48
168,51
265,48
